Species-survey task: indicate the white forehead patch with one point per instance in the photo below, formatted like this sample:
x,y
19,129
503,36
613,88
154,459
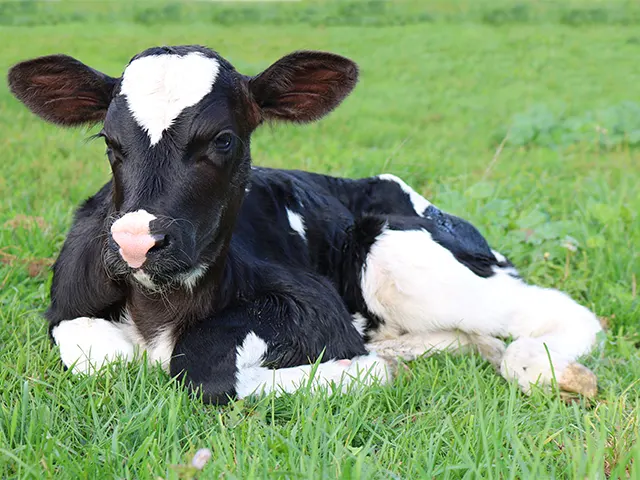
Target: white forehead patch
x,y
159,87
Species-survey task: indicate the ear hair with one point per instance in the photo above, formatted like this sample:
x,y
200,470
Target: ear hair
x,y
303,86
62,90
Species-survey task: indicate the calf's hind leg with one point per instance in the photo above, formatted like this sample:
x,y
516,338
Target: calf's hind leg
x,y
423,291
410,346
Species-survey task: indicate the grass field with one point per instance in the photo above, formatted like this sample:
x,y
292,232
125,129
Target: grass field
x,y
524,119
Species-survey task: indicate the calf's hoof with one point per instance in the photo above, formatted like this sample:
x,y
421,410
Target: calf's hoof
x,y
528,361
579,379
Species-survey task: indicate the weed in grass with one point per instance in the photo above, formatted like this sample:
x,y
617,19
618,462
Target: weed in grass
x,y
613,128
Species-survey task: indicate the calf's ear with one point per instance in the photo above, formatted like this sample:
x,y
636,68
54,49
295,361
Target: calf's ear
x,y
303,86
62,90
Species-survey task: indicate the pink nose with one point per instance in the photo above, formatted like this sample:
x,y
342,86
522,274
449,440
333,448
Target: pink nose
x,y
131,233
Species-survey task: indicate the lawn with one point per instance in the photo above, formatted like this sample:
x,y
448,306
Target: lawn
x,y
524,119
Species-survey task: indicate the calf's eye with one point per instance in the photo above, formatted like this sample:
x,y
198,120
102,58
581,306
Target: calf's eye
x,y
114,157
223,142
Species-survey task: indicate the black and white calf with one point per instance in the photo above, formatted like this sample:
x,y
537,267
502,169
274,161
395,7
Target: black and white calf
x,y
238,279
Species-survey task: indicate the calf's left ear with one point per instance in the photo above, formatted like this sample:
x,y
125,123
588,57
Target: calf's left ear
x,y
62,90
303,86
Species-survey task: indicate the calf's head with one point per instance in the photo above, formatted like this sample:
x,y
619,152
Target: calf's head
x,y
177,126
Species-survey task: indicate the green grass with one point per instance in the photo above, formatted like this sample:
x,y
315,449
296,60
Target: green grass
x,y
442,85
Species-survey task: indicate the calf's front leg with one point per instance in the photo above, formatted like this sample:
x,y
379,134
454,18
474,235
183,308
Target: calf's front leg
x,y
85,301
87,344
230,356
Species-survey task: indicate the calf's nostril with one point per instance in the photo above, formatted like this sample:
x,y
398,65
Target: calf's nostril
x,y
161,241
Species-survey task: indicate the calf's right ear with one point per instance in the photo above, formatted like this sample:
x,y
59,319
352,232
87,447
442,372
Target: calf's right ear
x,y
62,90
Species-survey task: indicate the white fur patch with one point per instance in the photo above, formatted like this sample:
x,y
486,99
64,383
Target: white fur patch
x,y
498,256
89,343
297,223
159,87
417,285
254,379
131,330
251,352
161,349
86,344
190,279
360,323
145,280
419,203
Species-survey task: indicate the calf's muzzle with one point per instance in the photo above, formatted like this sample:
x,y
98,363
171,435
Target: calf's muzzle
x,y
133,236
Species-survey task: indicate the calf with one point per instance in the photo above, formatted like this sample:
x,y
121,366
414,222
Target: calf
x,y
238,279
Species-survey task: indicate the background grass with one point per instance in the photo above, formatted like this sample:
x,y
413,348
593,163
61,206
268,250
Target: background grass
x,y
521,117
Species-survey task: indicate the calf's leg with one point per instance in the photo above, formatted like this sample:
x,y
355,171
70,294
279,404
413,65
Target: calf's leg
x,y
234,354
86,344
426,296
410,346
